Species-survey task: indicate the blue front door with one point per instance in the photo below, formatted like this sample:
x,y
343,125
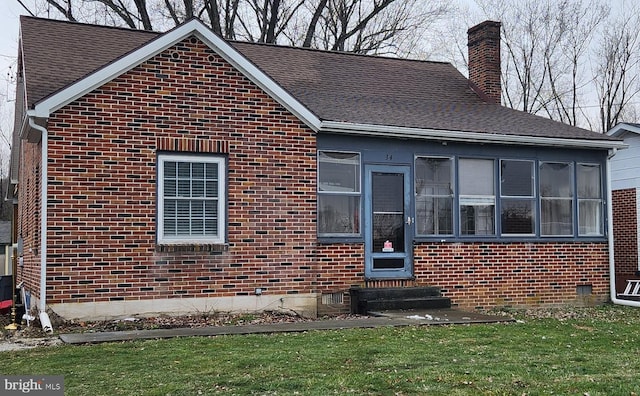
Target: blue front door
x,y
388,222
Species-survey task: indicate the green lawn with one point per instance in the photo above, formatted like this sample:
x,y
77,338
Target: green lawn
x,y
596,352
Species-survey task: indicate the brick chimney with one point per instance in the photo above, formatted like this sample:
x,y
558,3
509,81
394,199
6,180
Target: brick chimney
x,y
484,60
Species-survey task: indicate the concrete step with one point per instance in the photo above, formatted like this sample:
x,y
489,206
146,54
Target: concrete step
x,y
364,300
381,293
367,306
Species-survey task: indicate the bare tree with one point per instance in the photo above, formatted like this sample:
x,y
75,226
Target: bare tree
x,y
347,18
266,20
6,102
222,16
311,29
575,24
618,70
363,26
64,7
562,57
375,27
523,29
546,47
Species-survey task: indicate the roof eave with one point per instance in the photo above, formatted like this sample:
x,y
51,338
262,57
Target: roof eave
x,y
464,136
103,75
622,128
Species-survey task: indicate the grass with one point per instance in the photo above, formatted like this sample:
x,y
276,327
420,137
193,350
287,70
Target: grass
x,y
595,353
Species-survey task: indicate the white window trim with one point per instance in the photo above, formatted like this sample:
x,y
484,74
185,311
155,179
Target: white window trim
x,y
222,191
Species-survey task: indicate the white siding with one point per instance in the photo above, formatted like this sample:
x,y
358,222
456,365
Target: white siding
x,y
625,165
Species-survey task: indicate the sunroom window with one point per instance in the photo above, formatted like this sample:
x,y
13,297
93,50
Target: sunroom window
x,y
589,200
338,193
477,196
517,202
434,196
556,199
191,199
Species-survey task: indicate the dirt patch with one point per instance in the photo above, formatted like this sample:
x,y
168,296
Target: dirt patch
x,y
33,336
171,322
607,312
18,343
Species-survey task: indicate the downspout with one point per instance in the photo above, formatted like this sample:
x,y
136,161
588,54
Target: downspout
x,y
612,264
44,317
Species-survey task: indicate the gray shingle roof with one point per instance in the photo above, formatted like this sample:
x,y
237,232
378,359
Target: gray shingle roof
x,y
57,53
334,86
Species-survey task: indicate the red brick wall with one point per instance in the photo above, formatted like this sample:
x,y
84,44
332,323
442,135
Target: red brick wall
x,y
498,274
340,266
482,275
29,197
102,187
625,236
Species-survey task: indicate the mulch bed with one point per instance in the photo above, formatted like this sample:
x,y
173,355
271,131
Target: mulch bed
x,y
610,313
34,330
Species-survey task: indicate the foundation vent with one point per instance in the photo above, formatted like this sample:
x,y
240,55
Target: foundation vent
x,y
584,290
333,298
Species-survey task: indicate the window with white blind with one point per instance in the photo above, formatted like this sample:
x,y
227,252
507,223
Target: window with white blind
x,y
191,199
477,196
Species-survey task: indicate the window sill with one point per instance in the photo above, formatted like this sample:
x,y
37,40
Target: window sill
x,y
192,247
336,240
510,239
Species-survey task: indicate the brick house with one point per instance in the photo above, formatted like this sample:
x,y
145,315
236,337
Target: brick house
x,y
188,173
625,183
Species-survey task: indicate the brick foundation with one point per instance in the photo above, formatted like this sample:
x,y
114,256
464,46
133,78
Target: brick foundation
x,y
485,275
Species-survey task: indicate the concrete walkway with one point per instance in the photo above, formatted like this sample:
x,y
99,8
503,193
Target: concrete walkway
x,y
387,318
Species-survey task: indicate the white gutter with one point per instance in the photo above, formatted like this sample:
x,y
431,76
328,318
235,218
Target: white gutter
x,y
463,136
44,317
612,263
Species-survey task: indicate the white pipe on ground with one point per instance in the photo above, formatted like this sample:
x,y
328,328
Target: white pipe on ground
x,y
612,263
44,317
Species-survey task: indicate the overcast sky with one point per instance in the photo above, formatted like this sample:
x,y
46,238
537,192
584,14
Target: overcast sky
x,y
10,11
